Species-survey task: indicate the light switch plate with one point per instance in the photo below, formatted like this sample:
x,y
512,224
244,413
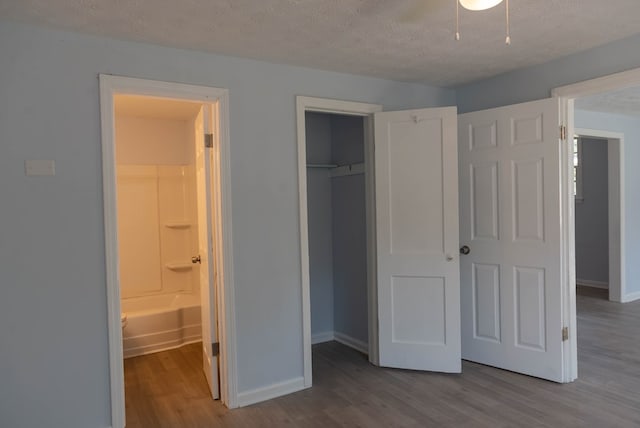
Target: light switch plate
x,y
40,167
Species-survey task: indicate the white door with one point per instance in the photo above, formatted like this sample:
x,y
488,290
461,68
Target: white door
x,y
205,247
510,221
416,179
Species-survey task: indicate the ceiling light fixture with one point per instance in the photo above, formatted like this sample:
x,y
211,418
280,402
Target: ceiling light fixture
x,y
476,5
479,4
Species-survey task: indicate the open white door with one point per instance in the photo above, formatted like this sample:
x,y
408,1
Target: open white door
x,y
205,257
416,178
510,217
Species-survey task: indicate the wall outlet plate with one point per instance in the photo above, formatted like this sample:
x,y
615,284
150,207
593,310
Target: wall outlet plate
x,y
40,167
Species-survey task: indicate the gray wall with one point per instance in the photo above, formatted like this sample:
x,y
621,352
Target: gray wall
x,y
319,203
53,312
630,127
349,231
337,227
536,82
592,214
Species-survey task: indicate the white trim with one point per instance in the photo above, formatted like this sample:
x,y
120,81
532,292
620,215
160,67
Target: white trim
x,y
593,284
566,95
109,86
323,337
226,304
116,364
351,342
372,245
607,83
304,104
265,393
615,147
567,245
631,297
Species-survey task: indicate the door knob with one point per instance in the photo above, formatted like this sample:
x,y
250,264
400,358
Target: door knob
x,y
465,250
196,259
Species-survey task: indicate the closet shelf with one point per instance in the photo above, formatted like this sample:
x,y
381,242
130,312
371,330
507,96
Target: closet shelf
x,y
179,267
321,165
178,225
345,170
340,170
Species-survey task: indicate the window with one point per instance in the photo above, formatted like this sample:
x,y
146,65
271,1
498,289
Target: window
x,y
577,169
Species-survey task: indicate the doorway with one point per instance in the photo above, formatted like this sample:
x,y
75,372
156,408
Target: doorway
x,y
411,234
315,169
337,229
176,194
597,179
167,285
569,96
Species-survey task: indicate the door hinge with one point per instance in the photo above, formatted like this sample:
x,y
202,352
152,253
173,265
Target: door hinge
x,y
563,132
215,349
565,334
208,140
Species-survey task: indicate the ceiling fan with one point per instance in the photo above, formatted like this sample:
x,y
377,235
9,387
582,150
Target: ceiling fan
x,y
422,8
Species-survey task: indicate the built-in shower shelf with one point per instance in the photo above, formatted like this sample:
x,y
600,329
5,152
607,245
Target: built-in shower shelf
x,y
179,267
178,225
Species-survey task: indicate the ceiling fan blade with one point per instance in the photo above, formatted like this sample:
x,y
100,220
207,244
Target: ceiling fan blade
x,y
421,9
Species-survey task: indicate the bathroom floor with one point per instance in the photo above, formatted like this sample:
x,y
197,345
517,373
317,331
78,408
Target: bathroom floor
x,y
168,389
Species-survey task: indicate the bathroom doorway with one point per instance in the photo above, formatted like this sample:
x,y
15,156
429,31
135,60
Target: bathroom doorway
x,y
167,232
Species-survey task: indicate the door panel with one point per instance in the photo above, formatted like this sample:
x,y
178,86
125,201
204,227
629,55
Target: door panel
x,y
484,200
486,299
510,218
417,239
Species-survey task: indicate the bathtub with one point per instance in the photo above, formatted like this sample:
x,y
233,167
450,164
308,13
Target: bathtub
x,y
159,323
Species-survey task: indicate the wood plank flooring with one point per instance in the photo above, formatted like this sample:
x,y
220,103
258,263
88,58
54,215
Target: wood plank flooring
x,y
168,389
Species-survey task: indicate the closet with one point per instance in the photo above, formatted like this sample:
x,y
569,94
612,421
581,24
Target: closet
x,y
337,229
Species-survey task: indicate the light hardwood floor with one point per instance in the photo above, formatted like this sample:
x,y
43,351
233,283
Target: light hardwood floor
x,y
168,389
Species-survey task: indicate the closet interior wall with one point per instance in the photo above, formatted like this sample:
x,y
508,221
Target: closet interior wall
x,y
337,229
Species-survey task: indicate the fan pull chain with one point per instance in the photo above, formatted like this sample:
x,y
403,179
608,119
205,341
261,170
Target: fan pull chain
x,y
508,39
457,20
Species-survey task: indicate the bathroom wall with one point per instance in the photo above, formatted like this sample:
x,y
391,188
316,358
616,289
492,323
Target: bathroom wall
x,y
157,228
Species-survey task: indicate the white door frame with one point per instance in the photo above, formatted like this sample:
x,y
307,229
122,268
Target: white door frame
x,y
323,105
615,156
110,86
566,95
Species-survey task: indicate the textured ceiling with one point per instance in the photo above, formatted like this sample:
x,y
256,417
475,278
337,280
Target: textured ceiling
x,y
409,40
623,101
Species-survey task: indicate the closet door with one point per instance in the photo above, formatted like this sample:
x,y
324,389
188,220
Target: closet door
x,y
416,181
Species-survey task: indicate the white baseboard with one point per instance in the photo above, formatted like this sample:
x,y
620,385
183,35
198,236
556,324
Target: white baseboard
x,y
271,391
326,336
594,284
630,297
351,342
